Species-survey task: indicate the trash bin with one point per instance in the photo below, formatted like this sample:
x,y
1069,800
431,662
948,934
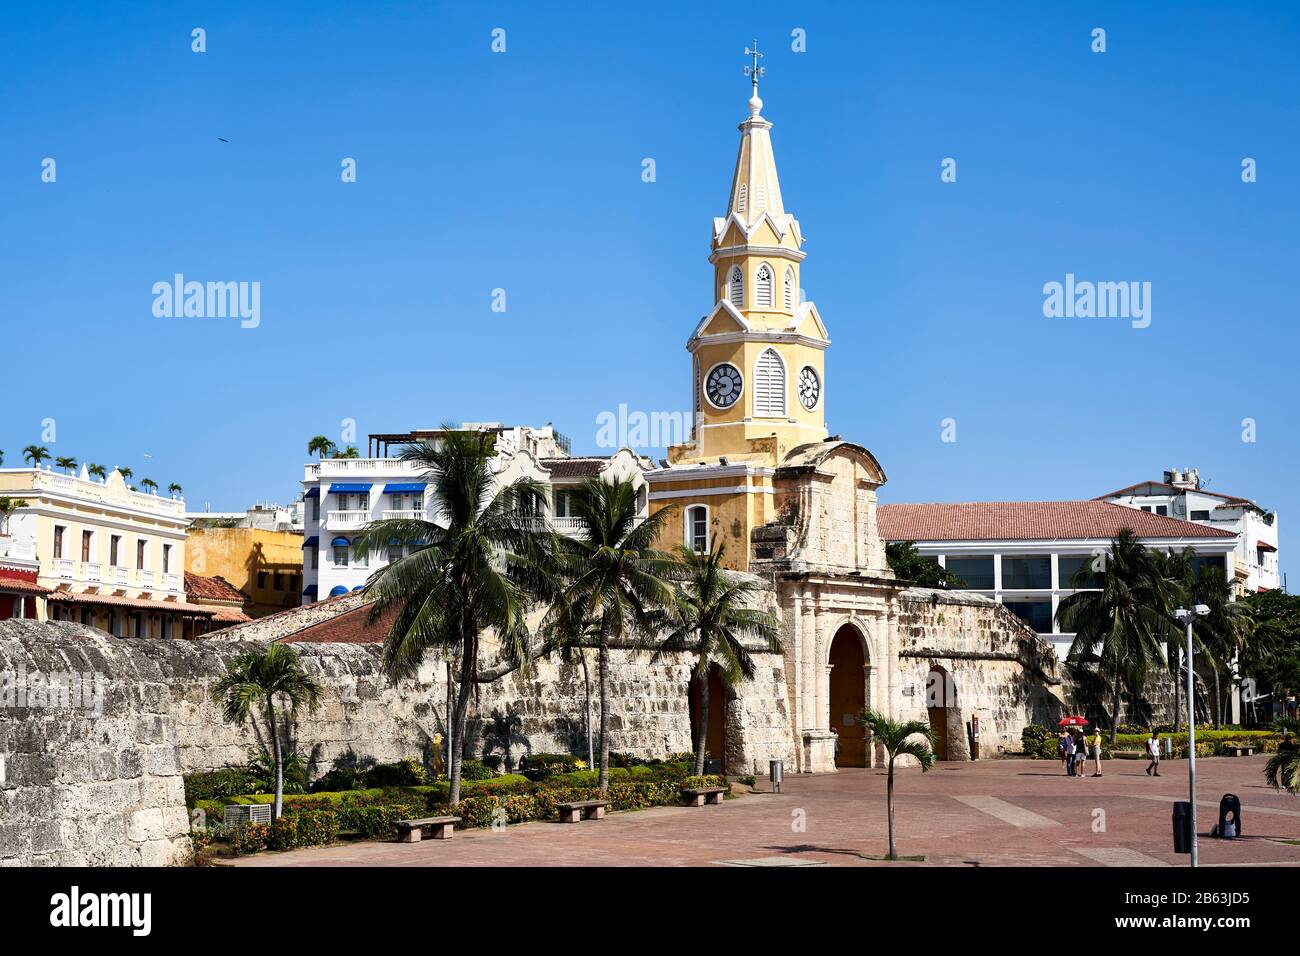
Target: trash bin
x,y
1229,817
712,765
776,773
1182,827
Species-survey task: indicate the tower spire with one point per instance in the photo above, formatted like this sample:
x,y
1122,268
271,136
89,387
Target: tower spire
x,y
754,72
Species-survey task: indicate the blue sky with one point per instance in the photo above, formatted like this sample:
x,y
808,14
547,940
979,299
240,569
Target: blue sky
x,y
522,171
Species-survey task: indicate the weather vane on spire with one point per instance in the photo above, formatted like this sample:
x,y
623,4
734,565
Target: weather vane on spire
x,y
755,71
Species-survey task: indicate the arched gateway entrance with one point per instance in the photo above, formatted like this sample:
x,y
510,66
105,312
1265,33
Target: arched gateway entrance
x,y
848,696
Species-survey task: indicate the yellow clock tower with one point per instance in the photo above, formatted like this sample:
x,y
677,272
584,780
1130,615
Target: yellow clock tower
x,y
758,376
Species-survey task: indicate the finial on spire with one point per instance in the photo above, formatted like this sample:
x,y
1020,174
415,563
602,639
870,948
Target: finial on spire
x,y
754,72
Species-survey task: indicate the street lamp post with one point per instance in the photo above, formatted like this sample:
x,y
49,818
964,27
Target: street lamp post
x,y
1185,616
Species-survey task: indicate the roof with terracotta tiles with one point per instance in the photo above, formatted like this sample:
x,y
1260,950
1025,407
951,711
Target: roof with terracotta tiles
x,y
200,587
1029,521
574,467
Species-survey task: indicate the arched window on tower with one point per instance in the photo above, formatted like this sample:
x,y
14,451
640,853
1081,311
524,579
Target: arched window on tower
x,y
769,385
789,289
737,291
763,287
697,528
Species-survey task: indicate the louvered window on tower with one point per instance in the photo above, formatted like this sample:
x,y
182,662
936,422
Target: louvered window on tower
x,y
763,287
762,198
769,385
695,391
737,288
789,289
740,200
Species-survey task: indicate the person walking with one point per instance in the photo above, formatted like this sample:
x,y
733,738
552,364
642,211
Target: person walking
x,y
1153,754
1080,754
1069,754
1096,751
1060,749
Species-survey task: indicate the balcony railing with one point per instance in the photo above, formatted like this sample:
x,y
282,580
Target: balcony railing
x,y
346,520
353,467
92,571
144,578
95,491
403,515
64,567
117,575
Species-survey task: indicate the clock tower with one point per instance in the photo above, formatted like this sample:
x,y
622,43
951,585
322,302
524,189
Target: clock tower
x,y
757,371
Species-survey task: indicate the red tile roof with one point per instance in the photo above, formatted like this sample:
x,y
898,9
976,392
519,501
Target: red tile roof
x,y
203,588
20,585
1029,521
114,600
574,467
350,627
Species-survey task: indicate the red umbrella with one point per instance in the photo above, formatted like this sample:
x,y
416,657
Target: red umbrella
x,y
1071,722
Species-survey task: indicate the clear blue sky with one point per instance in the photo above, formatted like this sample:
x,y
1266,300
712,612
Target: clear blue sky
x,y
523,171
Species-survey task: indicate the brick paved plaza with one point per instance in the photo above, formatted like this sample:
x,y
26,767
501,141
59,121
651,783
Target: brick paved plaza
x,y
991,813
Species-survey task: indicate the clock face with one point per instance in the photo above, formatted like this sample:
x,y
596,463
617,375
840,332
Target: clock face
x,y
723,385
810,388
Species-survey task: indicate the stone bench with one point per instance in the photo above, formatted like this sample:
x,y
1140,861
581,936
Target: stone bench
x,y
410,831
582,809
699,796
1239,750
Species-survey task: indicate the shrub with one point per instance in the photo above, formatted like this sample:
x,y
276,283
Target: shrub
x,y
748,780
208,785
1039,741
341,778
250,838
261,767
404,773
707,780
540,766
475,770
377,822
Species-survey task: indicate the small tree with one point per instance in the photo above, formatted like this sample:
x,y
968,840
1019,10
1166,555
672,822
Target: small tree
x,y
174,489
67,464
899,739
149,485
321,446
35,454
255,680
97,471
126,473
904,560
350,452
7,507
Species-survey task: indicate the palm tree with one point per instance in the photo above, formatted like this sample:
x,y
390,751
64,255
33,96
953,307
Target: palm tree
x,y
1283,768
7,507
67,464
97,471
2,457
1177,568
1122,625
253,681
125,472
35,454
1225,631
899,738
350,452
174,489
322,446
149,485
475,567
616,580
715,619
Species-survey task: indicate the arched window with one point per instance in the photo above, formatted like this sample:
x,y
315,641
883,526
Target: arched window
x,y
769,385
789,289
697,528
763,287
737,291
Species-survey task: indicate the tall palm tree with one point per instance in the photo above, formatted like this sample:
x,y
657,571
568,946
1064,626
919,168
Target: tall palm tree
x,y
322,446
1176,567
149,485
713,607
35,454
125,472
254,681
97,471
174,489
67,464
474,568
912,738
1121,626
616,581
1224,632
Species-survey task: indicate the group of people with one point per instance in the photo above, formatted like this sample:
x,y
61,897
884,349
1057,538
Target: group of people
x,y
1074,748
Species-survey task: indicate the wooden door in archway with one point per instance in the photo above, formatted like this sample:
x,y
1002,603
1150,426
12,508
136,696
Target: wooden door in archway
x,y
938,694
848,694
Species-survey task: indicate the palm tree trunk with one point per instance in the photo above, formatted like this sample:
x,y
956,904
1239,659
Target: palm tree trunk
x,y
1218,700
603,781
702,727
1114,718
889,803
277,757
1173,660
468,673
586,683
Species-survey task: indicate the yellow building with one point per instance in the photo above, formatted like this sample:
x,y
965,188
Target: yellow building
x,y
264,564
110,557
757,364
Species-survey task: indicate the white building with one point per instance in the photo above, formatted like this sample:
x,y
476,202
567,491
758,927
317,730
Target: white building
x,y
1254,566
342,495
1025,553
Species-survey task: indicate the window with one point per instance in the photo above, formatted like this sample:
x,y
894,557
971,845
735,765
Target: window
x,y
141,553
340,556
277,581
315,509
58,541
740,199
763,287
1026,573
114,544
1201,563
1037,614
561,509
769,385
976,572
1201,515
737,291
363,502
394,553
1068,565
1146,508
697,528
789,289
86,538
695,390
315,558
1162,510
343,502
167,558
261,580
